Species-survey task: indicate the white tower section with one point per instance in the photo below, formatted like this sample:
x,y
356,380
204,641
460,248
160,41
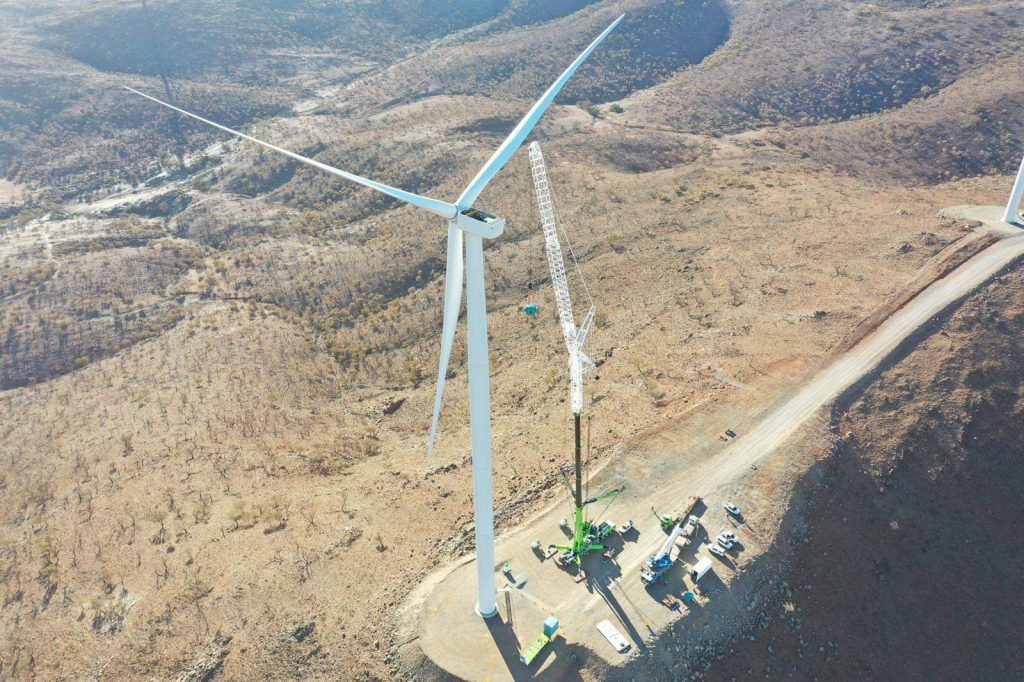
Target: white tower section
x,y
1012,214
556,262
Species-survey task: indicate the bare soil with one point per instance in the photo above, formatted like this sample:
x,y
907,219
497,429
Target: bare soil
x,y
902,565
218,368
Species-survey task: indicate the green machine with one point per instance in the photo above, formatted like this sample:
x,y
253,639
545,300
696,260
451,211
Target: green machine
x,y
587,534
531,652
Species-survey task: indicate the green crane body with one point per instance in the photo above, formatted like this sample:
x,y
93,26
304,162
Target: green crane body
x,y
586,534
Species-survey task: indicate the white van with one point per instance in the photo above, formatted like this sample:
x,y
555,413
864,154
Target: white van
x,y
701,567
614,637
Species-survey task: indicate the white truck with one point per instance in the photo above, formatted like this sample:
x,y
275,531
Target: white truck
x,y
700,569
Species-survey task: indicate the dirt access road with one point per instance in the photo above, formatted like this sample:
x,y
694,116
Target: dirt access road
x,y
457,640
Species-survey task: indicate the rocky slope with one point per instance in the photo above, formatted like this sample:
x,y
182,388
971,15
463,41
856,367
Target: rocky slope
x,y
904,562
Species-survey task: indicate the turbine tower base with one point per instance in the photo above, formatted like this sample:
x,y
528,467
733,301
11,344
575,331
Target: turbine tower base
x,y
1012,214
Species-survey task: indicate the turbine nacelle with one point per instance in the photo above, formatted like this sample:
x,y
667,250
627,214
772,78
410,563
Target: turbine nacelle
x,y
475,221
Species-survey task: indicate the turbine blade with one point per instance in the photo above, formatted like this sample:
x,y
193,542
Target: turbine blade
x,y
521,131
441,208
452,304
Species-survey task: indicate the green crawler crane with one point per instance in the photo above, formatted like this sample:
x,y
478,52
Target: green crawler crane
x,y
587,534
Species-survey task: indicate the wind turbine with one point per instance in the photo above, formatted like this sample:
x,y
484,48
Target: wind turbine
x,y
467,228
1012,214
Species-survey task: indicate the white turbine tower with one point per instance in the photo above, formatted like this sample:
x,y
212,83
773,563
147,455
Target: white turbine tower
x,y
1012,214
471,225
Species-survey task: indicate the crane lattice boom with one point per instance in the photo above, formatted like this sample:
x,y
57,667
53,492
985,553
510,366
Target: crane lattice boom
x,y
559,281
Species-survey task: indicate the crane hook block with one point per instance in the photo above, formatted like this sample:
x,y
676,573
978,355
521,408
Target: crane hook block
x,y
531,307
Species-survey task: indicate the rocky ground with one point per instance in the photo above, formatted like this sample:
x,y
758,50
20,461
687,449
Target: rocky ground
x,y
895,561
217,368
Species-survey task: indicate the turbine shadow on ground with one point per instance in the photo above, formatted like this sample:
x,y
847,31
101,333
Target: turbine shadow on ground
x,y
561,668
601,577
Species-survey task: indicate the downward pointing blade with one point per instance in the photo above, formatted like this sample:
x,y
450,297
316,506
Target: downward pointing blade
x,y
518,135
452,304
441,208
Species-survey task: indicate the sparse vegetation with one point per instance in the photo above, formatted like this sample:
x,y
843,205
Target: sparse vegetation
x,y
242,515
47,548
208,382
108,613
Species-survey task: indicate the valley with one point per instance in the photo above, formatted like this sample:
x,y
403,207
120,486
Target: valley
x,y
217,366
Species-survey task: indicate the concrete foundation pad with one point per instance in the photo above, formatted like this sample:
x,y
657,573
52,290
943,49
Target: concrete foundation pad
x,y
990,216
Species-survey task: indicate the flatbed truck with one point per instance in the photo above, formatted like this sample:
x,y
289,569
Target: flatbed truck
x,y
668,521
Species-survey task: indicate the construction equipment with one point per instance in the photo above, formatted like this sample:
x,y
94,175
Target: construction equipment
x,y
586,534
658,563
690,526
531,309
669,521
536,646
579,363
700,569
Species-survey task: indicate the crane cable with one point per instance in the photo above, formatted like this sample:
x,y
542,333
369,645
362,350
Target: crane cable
x,y
575,261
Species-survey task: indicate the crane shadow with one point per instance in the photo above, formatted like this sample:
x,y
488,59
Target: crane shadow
x,y
602,578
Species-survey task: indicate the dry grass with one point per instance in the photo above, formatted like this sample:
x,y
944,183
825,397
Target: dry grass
x,y
241,470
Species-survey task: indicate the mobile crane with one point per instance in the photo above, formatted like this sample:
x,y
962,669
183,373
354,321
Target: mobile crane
x,y
587,534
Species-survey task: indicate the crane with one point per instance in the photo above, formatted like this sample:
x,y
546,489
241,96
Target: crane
x,y
658,563
586,534
574,338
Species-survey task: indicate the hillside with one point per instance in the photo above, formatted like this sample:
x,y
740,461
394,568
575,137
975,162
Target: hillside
x,y
905,91
244,60
902,567
963,130
217,367
798,63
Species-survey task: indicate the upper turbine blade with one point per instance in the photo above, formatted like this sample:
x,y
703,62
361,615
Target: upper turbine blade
x,y
441,208
452,305
521,131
